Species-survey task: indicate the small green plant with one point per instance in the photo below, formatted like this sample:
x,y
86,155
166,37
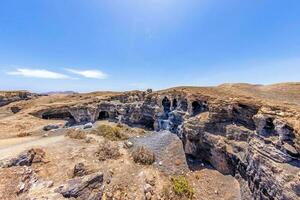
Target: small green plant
x,y
113,133
182,187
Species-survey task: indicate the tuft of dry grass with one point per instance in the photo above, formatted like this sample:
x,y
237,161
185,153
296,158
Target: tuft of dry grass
x,y
24,134
107,150
143,156
114,133
76,134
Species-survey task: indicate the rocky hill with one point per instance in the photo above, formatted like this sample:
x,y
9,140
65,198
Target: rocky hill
x,y
233,141
6,97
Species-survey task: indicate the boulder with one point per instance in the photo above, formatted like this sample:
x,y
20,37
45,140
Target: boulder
x,y
79,170
26,158
128,144
88,125
50,127
89,187
165,148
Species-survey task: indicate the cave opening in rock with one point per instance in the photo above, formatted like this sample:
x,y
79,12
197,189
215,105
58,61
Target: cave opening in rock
x,y
174,104
195,163
243,115
198,107
60,115
103,115
166,103
147,122
269,128
184,105
64,115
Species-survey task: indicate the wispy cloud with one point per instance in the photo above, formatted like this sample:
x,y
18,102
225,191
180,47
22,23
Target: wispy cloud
x,y
96,74
38,73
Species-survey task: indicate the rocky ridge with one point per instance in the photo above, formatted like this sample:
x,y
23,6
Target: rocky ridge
x,y
13,96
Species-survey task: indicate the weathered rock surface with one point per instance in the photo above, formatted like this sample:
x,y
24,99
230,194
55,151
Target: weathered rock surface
x,y
239,131
26,158
88,187
50,127
262,157
16,181
168,151
88,125
79,170
9,97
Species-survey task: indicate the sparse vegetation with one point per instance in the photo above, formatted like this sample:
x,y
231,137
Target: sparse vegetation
x,y
76,134
110,132
120,125
23,134
51,100
107,150
166,193
181,187
143,156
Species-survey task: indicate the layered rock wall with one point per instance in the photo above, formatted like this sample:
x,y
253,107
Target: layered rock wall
x,y
253,142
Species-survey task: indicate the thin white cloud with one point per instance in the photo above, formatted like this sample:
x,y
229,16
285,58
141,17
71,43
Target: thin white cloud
x,y
96,74
38,73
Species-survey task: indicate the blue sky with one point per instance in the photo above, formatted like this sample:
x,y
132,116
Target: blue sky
x,y
79,45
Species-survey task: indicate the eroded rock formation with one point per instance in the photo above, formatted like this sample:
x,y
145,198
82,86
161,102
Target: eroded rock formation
x,y
254,141
9,97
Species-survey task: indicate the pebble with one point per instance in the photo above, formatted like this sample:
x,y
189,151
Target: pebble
x,y
148,196
21,186
109,194
147,188
150,180
49,184
128,144
45,135
88,125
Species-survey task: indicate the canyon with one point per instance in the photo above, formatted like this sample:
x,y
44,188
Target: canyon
x,y
246,137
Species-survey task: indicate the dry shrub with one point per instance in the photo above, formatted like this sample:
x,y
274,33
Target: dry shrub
x,y
110,132
23,134
143,156
140,131
76,134
120,125
167,194
107,150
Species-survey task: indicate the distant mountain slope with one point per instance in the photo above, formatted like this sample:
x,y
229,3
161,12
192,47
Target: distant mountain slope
x,y
7,97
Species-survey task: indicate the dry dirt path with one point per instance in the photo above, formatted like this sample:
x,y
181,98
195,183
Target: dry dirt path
x,y
14,146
